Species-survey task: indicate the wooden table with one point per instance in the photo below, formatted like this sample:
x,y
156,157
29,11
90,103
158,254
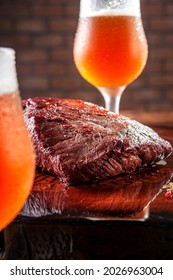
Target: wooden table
x,y
151,118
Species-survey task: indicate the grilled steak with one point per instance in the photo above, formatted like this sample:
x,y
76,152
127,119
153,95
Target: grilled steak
x,y
79,141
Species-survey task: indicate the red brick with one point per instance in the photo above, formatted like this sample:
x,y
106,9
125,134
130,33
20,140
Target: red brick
x,y
164,24
66,83
47,11
24,69
72,10
28,93
87,95
139,82
72,69
161,53
152,9
31,56
62,55
169,66
48,40
49,69
150,94
13,9
14,40
169,39
31,25
5,26
33,82
169,9
154,39
70,40
169,94
161,81
153,66
66,25
54,2
54,93
146,24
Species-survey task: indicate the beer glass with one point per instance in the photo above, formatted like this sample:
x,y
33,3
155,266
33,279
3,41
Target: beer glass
x,y
110,47
17,160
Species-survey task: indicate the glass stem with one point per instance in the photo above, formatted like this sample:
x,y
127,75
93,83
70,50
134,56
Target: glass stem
x,y
112,97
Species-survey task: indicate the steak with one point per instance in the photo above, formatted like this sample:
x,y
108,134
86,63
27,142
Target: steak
x,y
80,141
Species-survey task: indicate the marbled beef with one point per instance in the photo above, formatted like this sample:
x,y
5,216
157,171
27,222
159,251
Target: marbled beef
x,y
79,141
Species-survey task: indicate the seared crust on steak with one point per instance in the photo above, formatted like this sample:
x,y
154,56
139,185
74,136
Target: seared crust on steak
x,y
79,141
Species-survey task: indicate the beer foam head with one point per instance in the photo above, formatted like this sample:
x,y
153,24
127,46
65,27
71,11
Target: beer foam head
x,y
8,77
92,8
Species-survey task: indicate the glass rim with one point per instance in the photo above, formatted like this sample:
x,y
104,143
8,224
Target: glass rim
x,y
7,50
110,7
8,75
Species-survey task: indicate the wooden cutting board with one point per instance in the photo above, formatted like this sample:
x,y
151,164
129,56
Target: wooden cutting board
x,y
119,197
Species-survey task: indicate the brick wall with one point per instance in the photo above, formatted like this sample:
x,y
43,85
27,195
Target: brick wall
x,y
42,32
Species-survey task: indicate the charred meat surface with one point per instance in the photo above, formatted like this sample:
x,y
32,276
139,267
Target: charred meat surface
x,y
80,141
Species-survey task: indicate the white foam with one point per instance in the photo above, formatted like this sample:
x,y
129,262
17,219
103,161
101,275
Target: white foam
x,y
117,12
8,77
128,8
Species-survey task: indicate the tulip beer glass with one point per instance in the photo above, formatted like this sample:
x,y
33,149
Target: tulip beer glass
x,y
110,47
17,160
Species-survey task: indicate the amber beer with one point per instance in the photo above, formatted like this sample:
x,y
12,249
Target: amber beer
x,y
110,50
17,160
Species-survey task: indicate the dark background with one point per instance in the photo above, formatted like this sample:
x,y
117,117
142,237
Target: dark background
x,y
42,33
